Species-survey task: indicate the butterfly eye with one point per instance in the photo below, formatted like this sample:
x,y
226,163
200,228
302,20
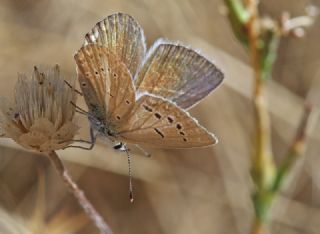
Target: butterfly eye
x,y
96,73
109,133
185,139
114,75
118,117
127,101
182,133
83,84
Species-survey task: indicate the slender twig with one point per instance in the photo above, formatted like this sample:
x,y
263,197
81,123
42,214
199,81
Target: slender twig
x,y
263,145
79,194
297,147
263,155
262,160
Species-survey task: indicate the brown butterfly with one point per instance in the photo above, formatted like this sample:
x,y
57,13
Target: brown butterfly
x,y
140,99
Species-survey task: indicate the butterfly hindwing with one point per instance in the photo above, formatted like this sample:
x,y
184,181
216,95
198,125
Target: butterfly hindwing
x,y
157,122
106,83
123,36
177,73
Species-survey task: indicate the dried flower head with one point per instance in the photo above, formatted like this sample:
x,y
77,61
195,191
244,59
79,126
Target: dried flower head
x,y
41,117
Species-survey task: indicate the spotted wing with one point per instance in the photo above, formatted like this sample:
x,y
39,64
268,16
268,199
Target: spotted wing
x,y
106,83
178,74
157,122
123,36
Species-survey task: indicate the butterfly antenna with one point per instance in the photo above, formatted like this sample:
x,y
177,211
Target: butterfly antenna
x,y
71,87
130,175
80,110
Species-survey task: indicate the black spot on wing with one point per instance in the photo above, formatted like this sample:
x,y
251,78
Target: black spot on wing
x,y
170,119
147,108
159,132
157,115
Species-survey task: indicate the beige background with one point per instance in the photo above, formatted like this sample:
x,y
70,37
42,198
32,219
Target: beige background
x,y
177,191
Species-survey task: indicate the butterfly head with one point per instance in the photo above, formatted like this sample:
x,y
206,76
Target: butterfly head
x,y
102,128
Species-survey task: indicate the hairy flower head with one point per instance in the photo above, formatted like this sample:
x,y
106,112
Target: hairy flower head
x,y
41,116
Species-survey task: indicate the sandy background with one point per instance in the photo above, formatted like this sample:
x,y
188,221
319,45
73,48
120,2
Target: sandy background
x,y
177,191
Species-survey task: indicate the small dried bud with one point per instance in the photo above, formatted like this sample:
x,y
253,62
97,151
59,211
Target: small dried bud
x,y
312,11
298,32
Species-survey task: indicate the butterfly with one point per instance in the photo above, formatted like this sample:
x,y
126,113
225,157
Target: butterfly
x,y
140,97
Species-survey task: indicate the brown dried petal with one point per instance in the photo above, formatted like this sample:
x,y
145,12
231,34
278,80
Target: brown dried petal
x,y
33,140
43,137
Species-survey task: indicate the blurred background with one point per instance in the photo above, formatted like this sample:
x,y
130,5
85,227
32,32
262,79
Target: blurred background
x,y
203,190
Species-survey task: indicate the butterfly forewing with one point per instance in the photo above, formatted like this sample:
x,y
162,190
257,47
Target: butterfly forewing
x,y
178,74
157,122
106,83
122,92
123,36
92,75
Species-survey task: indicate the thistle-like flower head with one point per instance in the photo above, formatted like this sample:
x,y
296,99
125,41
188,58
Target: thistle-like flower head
x,y
41,116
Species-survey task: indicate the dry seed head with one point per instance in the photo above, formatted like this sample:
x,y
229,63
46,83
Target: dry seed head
x,y
41,116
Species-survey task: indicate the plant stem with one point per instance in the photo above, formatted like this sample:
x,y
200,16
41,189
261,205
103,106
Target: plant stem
x,y
262,161
297,147
261,36
262,158
79,194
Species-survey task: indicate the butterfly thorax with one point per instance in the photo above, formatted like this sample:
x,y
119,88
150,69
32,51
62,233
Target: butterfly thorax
x,y
102,127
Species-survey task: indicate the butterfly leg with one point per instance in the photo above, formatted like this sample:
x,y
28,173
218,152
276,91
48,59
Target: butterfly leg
x,y
71,87
92,142
146,153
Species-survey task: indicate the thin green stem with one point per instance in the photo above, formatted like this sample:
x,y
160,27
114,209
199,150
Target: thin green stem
x,y
238,17
296,150
263,167
261,36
